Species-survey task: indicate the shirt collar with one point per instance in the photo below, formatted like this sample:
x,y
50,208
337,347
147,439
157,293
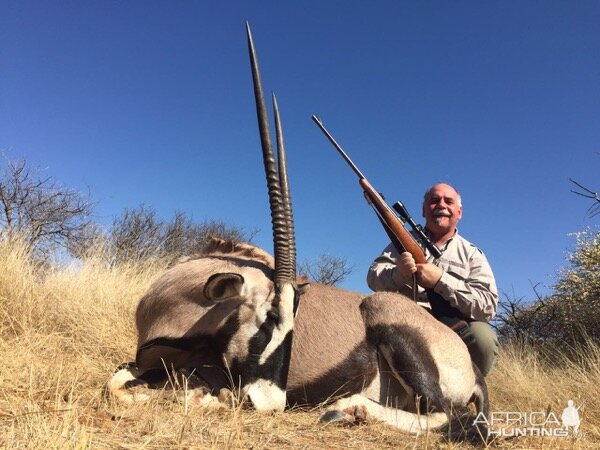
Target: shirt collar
x,y
428,234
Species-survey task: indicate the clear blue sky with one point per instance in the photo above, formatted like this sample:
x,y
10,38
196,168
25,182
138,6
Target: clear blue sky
x,y
151,102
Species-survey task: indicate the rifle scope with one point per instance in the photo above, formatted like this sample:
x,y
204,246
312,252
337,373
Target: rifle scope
x,y
418,229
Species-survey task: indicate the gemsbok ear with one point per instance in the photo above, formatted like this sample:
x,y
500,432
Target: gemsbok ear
x,y
223,286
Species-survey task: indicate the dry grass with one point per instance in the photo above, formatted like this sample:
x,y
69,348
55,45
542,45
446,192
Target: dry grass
x,y
63,333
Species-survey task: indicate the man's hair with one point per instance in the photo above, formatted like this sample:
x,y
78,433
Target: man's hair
x,y
428,192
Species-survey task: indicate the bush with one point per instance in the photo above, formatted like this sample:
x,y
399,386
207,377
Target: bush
x,y
138,235
570,316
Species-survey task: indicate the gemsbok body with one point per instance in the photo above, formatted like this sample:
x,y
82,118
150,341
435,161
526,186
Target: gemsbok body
x,y
237,320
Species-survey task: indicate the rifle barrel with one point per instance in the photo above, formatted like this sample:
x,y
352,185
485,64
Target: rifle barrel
x,y
401,238
337,146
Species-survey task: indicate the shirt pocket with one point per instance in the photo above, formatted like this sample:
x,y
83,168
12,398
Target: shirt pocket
x,y
455,269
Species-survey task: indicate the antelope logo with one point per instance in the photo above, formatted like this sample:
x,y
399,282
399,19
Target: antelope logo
x,y
237,319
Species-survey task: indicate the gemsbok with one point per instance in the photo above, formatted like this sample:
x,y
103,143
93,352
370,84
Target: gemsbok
x,y
238,320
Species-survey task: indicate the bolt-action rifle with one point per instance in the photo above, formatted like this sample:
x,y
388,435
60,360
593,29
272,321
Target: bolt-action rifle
x,y
402,239
392,223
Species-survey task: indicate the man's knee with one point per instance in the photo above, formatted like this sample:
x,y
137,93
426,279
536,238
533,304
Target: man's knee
x,y
482,343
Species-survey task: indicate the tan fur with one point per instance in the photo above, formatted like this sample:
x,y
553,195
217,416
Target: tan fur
x,y
447,348
331,354
325,332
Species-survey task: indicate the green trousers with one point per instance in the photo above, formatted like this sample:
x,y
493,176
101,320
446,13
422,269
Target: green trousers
x,y
482,343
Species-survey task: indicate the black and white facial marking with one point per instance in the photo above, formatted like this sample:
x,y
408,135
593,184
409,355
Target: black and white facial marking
x,y
258,350
268,344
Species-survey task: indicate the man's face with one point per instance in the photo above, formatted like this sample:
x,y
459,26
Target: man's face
x,y
442,209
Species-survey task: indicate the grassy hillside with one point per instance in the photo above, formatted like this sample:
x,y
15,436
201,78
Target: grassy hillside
x,y
63,331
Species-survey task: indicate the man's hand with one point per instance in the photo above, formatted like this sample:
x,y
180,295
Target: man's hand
x,y
428,275
405,266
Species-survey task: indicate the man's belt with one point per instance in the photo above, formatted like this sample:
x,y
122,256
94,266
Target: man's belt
x,y
459,326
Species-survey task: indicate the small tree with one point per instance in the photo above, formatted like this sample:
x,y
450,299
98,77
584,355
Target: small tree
x,y
184,237
326,269
137,235
577,290
140,235
39,210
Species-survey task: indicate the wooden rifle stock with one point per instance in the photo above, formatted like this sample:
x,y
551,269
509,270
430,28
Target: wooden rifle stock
x,y
392,224
402,239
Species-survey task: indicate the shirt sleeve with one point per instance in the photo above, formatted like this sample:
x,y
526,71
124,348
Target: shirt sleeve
x,y
476,296
382,276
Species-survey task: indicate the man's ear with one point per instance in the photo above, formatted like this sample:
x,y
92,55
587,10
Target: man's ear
x,y
223,286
